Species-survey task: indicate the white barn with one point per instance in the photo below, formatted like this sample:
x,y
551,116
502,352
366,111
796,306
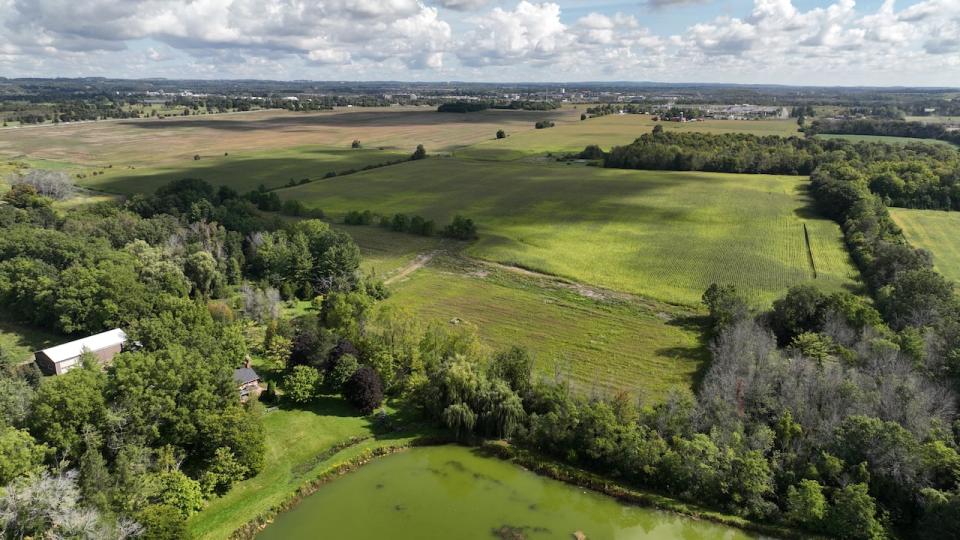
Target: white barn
x,y
62,358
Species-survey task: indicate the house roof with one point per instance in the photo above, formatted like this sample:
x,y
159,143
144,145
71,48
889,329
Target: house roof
x,y
93,343
244,375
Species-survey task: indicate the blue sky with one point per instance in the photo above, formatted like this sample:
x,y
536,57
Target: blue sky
x,y
812,42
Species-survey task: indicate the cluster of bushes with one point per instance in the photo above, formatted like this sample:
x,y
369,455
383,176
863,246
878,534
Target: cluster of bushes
x,y
397,223
891,128
463,106
544,124
460,228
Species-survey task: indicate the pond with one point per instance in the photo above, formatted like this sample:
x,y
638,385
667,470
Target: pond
x,y
450,492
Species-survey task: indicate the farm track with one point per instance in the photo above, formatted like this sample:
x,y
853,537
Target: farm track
x,y
417,263
481,268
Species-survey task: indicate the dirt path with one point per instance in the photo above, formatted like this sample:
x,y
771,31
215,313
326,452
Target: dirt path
x,y
419,262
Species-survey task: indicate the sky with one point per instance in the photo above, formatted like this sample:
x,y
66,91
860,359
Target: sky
x,y
800,42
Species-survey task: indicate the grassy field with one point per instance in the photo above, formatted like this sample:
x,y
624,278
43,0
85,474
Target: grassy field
x,y
155,142
20,342
935,231
934,119
608,131
883,139
243,171
599,341
664,235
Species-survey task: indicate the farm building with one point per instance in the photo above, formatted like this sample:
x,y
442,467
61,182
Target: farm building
x,y
248,382
62,358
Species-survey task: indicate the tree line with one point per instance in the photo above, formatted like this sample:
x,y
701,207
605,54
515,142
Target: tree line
x,y
882,127
912,176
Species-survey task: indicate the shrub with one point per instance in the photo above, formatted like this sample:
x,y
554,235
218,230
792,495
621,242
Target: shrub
x,y
501,134
341,371
301,384
355,144
419,153
364,390
543,124
461,228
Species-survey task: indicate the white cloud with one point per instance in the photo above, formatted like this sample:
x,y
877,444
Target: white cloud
x,y
775,41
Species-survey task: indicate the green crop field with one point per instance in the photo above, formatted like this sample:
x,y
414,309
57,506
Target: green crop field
x,y
882,138
936,231
243,171
608,131
597,342
664,235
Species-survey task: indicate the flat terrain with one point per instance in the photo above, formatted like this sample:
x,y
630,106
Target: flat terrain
x,y
608,131
156,142
934,119
663,235
243,171
883,139
936,231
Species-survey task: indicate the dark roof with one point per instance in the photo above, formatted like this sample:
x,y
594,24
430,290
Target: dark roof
x,y
244,375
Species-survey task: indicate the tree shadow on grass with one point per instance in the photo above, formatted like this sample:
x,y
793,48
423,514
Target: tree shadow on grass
x,y
700,353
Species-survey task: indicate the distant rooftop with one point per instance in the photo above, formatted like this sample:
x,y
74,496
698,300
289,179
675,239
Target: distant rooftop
x,y
92,343
245,375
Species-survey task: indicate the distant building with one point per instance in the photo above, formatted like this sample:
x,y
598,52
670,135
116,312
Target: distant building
x,y
62,358
248,382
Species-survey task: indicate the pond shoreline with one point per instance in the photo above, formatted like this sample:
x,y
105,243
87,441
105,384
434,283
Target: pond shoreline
x,y
570,475
544,467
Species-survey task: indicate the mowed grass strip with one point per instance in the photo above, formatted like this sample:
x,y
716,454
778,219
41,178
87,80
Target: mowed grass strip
x,y
936,231
599,345
664,235
607,132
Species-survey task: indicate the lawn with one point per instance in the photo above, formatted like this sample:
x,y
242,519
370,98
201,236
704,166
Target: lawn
x,y
883,139
663,235
20,341
608,131
598,341
243,171
299,443
936,231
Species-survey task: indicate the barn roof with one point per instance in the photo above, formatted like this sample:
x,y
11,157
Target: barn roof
x,y
93,343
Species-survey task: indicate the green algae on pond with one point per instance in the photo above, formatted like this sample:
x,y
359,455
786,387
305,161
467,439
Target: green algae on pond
x,y
450,492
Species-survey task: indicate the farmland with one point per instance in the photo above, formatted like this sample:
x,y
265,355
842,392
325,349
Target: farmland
x,y
608,131
172,141
597,340
243,171
665,235
882,139
935,231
